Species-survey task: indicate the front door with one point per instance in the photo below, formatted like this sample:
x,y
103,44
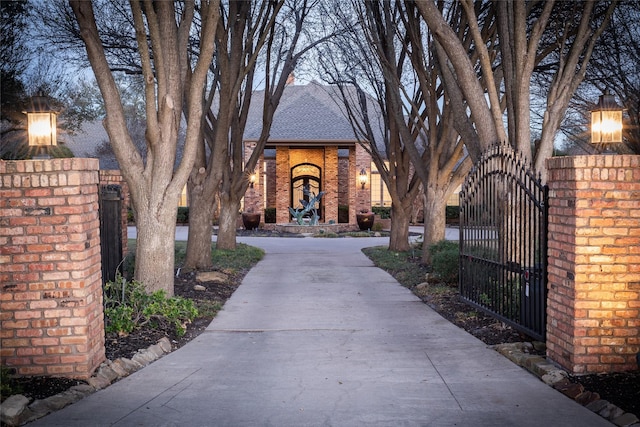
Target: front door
x,y
305,175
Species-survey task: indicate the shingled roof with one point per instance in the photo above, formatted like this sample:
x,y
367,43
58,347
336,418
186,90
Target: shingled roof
x,y
306,113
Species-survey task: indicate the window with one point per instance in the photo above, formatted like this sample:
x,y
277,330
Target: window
x,y
379,192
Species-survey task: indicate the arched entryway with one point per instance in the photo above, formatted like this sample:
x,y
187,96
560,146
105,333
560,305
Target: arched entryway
x,y
305,175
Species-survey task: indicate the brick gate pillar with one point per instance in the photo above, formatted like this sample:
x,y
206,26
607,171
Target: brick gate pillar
x,y
50,268
593,321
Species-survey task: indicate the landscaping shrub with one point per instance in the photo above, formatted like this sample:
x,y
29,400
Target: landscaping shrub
x,y
270,215
128,307
452,214
383,211
445,259
183,215
343,214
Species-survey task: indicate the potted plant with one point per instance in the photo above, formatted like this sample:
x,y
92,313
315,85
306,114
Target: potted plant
x,y
250,220
365,219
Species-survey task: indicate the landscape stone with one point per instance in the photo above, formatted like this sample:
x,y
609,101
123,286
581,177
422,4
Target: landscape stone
x,y
12,408
57,401
118,368
625,420
108,373
212,276
587,397
553,377
199,288
165,344
597,405
98,382
39,408
611,411
156,350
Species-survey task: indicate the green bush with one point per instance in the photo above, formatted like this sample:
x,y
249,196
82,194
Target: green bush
x,y
183,215
270,215
383,211
452,212
131,218
445,259
128,307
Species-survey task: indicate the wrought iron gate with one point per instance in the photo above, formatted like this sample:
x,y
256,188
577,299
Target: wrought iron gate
x,y
503,240
110,231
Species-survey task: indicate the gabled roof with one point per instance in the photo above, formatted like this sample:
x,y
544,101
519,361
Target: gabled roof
x,y
306,113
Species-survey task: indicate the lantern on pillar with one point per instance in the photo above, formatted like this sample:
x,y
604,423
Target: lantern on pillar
x,y
41,125
606,121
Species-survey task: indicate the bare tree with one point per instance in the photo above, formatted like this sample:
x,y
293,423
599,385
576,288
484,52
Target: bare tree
x,y
388,48
171,77
366,64
561,35
268,35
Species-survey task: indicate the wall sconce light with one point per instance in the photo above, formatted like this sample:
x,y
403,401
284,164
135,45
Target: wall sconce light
x,y
252,179
606,120
363,177
41,125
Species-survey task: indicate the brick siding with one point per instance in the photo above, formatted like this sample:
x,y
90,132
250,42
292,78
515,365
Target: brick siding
x,y
51,288
594,263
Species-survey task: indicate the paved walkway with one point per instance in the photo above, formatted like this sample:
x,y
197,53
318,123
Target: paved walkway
x,y
317,336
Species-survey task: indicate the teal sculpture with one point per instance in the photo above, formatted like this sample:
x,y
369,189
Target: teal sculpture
x,y
308,207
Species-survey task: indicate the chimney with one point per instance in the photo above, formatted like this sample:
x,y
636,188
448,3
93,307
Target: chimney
x,y
291,79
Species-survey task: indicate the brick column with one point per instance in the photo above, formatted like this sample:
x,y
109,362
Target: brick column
x,y
363,197
50,274
283,185
330,184
594,263
253,197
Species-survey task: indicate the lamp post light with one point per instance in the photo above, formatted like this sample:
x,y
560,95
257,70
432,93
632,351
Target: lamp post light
x,y
41,126
606,121
363,178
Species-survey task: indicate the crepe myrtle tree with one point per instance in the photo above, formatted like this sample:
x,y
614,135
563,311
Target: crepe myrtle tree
x,y
172,77
271,37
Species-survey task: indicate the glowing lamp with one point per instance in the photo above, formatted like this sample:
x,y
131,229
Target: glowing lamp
x,y
362,178
606,121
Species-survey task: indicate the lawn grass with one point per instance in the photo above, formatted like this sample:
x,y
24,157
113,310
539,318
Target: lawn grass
x,y
405,267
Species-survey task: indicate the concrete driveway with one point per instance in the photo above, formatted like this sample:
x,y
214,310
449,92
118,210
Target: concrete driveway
x,y
317,336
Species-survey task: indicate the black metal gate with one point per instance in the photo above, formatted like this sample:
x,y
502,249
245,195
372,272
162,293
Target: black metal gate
x,y
503,240
110,231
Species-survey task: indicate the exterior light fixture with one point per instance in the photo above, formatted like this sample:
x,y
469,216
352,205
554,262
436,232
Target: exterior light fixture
x,y
606,121
41,125
363,177
252,179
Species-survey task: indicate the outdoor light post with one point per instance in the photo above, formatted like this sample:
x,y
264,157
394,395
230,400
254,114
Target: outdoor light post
x,y
41,126
606,121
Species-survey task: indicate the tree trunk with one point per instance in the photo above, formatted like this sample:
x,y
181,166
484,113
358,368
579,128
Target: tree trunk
x,y
228,221
434,221
201,206
399,235
155,254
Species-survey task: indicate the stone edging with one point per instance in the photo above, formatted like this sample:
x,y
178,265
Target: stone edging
x,y
550,374
16,410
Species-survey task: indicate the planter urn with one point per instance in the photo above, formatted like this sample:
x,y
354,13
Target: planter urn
x,y
250,220
365,220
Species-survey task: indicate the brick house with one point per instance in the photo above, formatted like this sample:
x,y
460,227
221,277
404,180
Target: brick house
x,y
311,143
